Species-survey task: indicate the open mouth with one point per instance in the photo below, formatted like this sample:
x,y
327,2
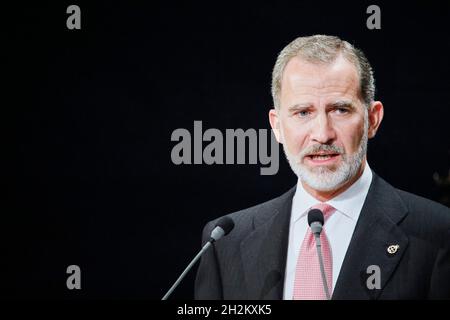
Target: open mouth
x,y
322,157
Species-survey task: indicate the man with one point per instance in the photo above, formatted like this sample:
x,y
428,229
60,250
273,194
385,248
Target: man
x,y
378,242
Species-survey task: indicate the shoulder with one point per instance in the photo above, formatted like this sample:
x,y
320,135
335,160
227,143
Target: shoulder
x,y
245,220
425,219
418,203
426,212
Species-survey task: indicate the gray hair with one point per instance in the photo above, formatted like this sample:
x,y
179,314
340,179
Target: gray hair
x,y
324,49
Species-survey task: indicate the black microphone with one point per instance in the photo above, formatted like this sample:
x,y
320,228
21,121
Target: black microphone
x,y
315,221
222,228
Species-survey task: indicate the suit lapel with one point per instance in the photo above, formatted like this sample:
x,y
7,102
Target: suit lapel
x,y
264,250
375,231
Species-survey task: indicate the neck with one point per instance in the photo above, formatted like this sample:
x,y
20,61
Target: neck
x,y
324,196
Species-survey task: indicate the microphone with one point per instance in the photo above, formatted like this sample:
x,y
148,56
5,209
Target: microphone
x,y
315,221
222,228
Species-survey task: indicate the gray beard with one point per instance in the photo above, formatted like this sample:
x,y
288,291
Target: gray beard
x,y
324,179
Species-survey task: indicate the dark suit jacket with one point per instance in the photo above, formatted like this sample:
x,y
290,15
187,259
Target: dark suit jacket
x,y
249,263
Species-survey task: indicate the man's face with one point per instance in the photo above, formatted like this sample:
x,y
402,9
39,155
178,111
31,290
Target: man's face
x,y
322,122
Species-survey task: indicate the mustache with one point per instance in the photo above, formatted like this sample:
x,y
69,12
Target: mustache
x,y
321,148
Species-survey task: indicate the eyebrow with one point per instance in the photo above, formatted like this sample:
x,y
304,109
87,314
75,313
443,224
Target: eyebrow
x,y
336,104
299,106
342,104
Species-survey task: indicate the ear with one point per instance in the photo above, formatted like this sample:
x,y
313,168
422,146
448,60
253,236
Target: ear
x,y
376,113
275,124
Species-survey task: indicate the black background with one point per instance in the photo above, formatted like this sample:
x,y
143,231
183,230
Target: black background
x,y
89,116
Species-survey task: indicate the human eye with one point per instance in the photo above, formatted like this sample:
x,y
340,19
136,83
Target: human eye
x,y
303,113
342,110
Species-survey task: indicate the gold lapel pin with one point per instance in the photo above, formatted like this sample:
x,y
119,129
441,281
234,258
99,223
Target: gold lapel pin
x,y
392,249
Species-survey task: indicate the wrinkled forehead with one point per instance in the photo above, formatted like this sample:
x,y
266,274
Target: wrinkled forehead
x,y
305,80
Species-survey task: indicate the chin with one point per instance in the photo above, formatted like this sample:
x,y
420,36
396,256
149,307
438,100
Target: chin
x,y
323,186
320,171
324,178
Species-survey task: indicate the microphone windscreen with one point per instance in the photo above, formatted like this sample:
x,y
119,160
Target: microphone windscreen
x,y
226,223
315,215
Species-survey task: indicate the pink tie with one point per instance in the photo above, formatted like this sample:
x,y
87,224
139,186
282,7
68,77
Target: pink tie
x,y
308,283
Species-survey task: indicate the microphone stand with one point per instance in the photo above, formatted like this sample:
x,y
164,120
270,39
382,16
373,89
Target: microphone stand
x,y
322,269
205,247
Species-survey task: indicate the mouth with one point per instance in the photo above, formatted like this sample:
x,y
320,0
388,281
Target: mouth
x,y
322,158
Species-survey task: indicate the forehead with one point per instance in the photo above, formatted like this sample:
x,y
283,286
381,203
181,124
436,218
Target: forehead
x,y
306,80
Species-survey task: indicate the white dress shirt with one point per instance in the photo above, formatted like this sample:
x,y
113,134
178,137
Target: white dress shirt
x,y
339,227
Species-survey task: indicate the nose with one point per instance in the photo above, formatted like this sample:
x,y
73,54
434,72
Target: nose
x,y
322,130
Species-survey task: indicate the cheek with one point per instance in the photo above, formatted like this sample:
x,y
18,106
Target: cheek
x,y
293,138
350,136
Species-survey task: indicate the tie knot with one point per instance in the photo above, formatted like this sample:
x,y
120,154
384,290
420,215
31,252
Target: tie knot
x,y
325,208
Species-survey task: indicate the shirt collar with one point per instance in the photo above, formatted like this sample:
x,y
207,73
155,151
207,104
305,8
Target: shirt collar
x,y
349,202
